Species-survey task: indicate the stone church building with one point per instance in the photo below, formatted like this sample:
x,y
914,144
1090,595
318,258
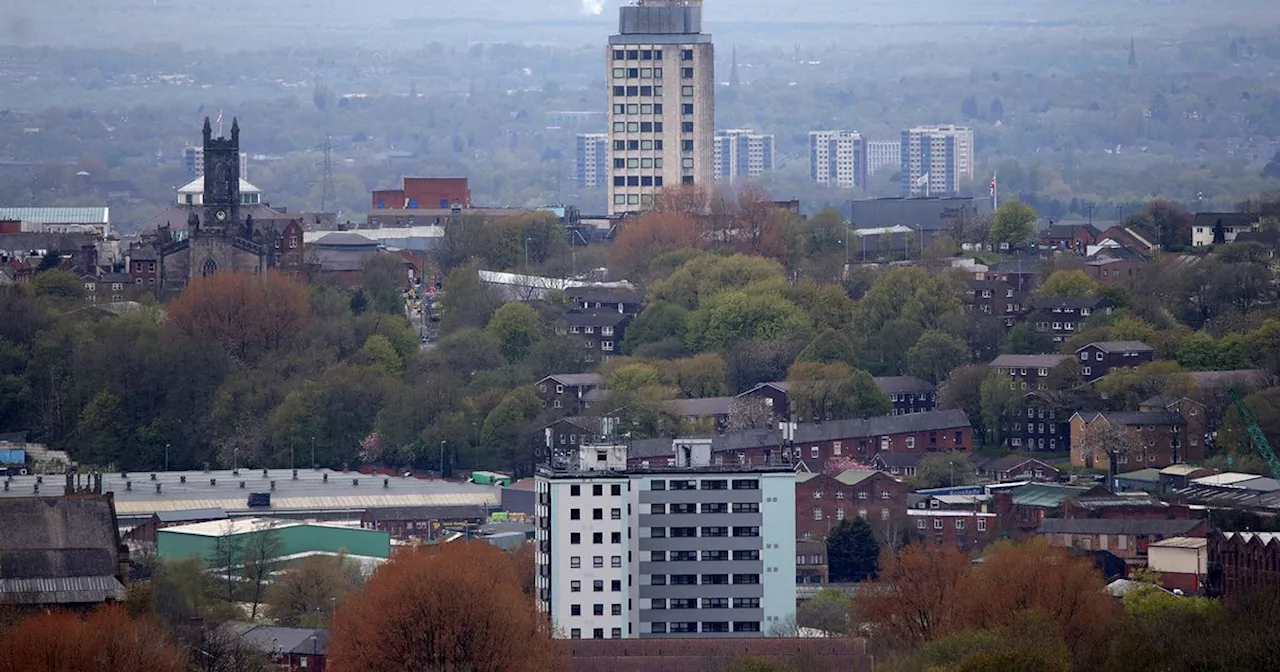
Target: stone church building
x,y
224,230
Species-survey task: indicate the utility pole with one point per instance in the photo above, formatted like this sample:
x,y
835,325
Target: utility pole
x,y
166,457
442,459
313,451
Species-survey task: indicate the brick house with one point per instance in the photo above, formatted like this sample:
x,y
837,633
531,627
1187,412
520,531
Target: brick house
x,y
774,395
427,193
1062,318
1182,562
421,522
142,267
908,394
966,529
603,330
811,562
1020,273
290,251
566,390
897,464
994,298
1116,266
1027,372
1017,468
864,438
567,434
1126,538
1159,437
1042,423
1209,226
1195,416
823,501
594,297
1243,562
1099,358
1075,236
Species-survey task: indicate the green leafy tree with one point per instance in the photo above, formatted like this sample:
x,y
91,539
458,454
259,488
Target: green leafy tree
x,y
935,355
834,392
709,274
383,280
829,347
1014,224
634,376
516,327
827,611
58,283
852,551
1069,284
737,315
507,432
658,321
466,301
999,402
962,390
380,354
937,470
698,376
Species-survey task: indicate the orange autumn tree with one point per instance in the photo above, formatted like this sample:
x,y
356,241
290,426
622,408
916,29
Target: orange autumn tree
x,y
641,239
456,606
104,639
243,313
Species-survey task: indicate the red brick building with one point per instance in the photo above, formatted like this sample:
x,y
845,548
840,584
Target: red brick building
x,y
566,391
862,439
669,654
425,193
1125,538
1242,562
421,522
1076,237
1159,438
823,501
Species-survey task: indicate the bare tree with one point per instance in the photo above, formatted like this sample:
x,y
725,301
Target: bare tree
x,y
750,414
262,551
1108,443
228,554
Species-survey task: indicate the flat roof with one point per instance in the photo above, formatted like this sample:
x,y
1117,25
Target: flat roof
x,y
222,528
1182,542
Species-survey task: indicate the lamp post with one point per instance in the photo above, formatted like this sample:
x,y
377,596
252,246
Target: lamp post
x,y
526,254
166,457
313,451
442,459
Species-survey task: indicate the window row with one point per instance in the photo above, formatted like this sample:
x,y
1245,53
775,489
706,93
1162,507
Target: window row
x,y
637,181
637,54
633,199
707,579
707,603
597,586
707,556
637,73
637,108
604,331
940,523
637,127
638,163
710,626
707,507
596,537
575,561
709,484
576,633
707,532
596,610
596,514
632,145
597,489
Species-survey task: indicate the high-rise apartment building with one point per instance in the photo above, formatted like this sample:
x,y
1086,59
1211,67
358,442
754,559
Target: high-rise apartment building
x,y
591,162
660,70
882,154
741,153
935,159
193,162
838,158
690,550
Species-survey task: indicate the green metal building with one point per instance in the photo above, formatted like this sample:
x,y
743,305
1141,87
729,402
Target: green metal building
x,y
209,540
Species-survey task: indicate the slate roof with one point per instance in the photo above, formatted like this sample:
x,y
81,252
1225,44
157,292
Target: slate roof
x,y
1029,361
643,449
780,385
751,438
594,294
1233,219
1045,495
701,407
57,215
1268,238
1051,302
890,460
1119,347
902,384
1142,418
576,379
427,513
58,242
273,639
595,318
1069,230
191,515
1010,462
345,239
142,253
59,548
883,425
855,476
1016,265
1167,528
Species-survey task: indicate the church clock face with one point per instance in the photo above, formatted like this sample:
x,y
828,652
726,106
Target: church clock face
x,y
220,215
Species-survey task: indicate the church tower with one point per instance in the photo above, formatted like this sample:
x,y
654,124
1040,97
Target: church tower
x,y
221,180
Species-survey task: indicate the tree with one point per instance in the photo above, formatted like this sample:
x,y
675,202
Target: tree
x,y
829,347
103,639
1073,284
506,434
708,274
58,283
659,321
963,390
516,327
1164,223
383,280
453,606
699,376
916,597
827,611
304,595
999,402
467,302
1104,443
1014,224
938,470
640,241
834,392
245,314
227,554
736,315
1025,339
852,551
935,355
261,552
750,414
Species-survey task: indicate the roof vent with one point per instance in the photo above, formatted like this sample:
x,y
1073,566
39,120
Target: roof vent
x,y
386,482
355,481
242,485
295,474
264,473
182,479
158,487
213,481
325,478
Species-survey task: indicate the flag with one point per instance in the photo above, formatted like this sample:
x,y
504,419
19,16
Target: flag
x,y
921,181
219,117
993,184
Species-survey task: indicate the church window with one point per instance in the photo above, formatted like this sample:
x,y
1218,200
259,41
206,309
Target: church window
x,y
293,242
210,267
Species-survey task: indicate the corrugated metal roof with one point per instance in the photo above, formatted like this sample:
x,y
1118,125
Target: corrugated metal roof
x,y
68,590
57,215
320,503
1182,542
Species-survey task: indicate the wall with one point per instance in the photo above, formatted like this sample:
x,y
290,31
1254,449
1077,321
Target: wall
x,y
778,492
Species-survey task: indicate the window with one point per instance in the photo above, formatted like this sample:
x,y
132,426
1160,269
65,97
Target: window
x,y
597,537
686,73
686,108
575,610
746,579
615,586
615,610
718,484
982,524
597,561
575,514
746,507
747,531
575,586
1087,371
575,562
657,485
746,484
1097,356
686,90
575,537
658,628
597,586
575,633
920,524
959,523
597,610
817,513
597,514
598,633
715,603
615,514
839,514
813,453
937,523
911,443
615,561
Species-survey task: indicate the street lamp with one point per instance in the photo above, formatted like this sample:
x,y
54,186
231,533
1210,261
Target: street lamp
x,y
166,457
526,254
313,451
442,459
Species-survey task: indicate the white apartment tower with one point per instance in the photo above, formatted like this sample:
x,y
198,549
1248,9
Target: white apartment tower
x,y
883,154
838,158
694,549
591,160
741,153
935,159
660,70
